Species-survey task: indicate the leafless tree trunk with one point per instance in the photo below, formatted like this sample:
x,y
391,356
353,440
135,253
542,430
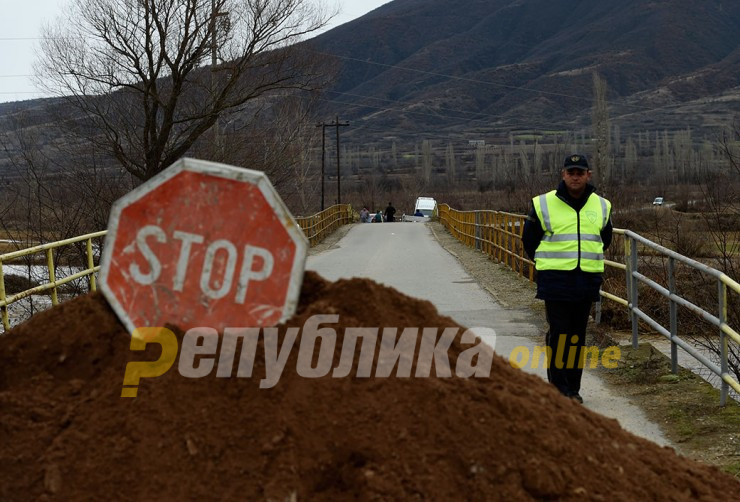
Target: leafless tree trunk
x,y
138,69
630,160
450,164
480,167
728,146
46,197
601,131
426,166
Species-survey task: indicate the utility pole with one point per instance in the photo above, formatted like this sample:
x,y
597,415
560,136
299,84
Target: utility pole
x,y
323,126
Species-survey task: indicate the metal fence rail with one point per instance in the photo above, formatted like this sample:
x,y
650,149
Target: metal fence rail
x,y
318,226
315,227
726,333
498,234
53,283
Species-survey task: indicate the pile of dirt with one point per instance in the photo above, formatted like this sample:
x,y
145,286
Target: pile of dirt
x,y
66,433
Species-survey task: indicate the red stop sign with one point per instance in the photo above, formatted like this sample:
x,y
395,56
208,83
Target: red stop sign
x,y
202,244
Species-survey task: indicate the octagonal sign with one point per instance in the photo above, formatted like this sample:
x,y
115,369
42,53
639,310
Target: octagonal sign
x,y
203,245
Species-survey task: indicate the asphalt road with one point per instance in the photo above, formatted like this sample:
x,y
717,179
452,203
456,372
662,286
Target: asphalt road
x,y
407,257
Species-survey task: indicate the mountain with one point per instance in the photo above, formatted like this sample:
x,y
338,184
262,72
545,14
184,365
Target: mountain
x,y
489,66
484,69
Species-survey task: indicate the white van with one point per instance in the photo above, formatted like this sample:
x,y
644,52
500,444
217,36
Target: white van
x,y
424,208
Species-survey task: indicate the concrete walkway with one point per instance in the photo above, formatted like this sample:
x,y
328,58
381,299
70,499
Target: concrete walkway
x,y
406,256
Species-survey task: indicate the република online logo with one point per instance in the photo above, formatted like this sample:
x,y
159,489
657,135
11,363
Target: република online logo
x,y
200,351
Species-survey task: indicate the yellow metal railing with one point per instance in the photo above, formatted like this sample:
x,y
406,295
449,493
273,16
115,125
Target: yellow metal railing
x,y
318,226
53,282
499,235
675,300
496,233
315,227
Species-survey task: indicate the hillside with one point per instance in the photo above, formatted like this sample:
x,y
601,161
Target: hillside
x,y
454,70
412,66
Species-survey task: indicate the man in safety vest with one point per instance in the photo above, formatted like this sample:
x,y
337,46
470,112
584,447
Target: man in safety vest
x,y
566,234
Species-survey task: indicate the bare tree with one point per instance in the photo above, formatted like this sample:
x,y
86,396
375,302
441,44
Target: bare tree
x,y
137,69
371,188
602,136
426,161
728,146
47,197
277,139
630,159
450,164
480,168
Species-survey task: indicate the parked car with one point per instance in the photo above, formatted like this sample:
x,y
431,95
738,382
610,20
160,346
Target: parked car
x,y
424,209
658,201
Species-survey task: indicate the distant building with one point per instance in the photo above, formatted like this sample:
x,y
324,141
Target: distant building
x,y
477,142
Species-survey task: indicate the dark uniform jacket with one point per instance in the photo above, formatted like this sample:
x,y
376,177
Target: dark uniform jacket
x,y
564,285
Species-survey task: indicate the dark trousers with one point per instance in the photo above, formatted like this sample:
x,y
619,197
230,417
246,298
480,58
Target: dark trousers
x,y
566,339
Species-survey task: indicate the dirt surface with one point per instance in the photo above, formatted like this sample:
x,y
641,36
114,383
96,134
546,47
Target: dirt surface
x,y
687,407
66,434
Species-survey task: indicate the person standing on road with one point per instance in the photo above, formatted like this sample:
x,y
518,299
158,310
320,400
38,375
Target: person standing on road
x,y
389,212
566,234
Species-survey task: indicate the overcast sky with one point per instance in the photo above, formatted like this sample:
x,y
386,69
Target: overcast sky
x,y
21,20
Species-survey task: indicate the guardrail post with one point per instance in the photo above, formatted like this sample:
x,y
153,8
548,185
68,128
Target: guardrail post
x,y
491,234
468,231
52,275
458,223
91,264
477,228
500,238
494,235
724,387
633,289
484,232
509,242
518,243
674,314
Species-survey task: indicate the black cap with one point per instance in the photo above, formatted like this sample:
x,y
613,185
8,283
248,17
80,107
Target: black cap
x,y
575,160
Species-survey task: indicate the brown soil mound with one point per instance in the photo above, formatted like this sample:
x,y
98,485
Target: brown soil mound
x,y
66,434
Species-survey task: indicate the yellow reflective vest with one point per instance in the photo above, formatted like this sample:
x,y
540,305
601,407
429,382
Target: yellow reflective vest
x,y
572,238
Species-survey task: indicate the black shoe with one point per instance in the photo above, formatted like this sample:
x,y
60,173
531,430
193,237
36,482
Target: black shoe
x,y
576,397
